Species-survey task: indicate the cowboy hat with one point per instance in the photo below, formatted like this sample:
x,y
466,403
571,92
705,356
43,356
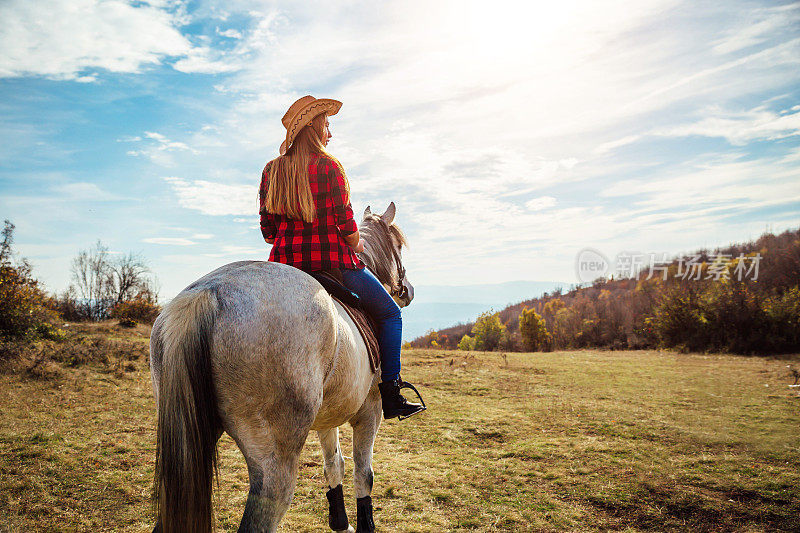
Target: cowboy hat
x,y
302,112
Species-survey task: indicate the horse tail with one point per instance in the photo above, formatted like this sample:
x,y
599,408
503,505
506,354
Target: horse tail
x,y
188,423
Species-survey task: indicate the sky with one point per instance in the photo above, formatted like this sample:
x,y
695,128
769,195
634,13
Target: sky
x,y
510,135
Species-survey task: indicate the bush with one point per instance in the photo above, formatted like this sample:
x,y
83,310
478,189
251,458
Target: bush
x,y
426,341
66,304
25,309
566,326
139,309
679,320
736,320
466,343
783,315
510,341
487,331
535,336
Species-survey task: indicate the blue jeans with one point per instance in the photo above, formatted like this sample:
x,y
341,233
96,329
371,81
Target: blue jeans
x,y
377,302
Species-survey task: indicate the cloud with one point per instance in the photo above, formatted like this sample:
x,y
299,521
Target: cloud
x,y
725,185
740,128
171,241
461,133
83,192
212,198
610,146
160,151
63,40
164,143
230,33
760,26
476,137
203,236
204,61
543,202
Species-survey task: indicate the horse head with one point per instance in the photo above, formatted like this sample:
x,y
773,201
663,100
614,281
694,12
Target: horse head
x,y
383,244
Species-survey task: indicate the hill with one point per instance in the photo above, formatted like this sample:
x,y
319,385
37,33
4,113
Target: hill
x,y
743,298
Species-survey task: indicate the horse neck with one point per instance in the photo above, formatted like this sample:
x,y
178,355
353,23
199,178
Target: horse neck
x,y
377,255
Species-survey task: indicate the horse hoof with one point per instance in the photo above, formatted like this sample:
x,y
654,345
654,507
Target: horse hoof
x,y
348,530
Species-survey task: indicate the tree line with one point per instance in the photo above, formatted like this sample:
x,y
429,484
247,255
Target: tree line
x,y
714,308
103,285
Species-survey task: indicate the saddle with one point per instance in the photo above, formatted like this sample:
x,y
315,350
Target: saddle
x,y
333,282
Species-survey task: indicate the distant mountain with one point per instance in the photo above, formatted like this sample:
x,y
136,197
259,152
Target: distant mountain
x,y
439,306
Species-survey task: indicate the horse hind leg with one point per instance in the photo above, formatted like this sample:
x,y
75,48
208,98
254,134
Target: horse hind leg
x,y
273,475
334,474
271,447
365,428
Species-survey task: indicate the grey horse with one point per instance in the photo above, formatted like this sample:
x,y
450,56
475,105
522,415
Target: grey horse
x,y
260,350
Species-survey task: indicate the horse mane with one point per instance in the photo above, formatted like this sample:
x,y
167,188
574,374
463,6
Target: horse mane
x,y
379,238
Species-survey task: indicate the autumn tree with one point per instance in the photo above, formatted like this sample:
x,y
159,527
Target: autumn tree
x,y
534,333
487,331
25,309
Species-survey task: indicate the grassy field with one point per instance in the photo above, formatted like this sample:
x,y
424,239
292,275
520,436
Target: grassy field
x,y
582,440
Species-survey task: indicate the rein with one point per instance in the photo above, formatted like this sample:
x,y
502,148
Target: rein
x,y
401,291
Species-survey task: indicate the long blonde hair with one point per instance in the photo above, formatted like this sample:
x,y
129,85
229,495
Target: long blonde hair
x,y
289,191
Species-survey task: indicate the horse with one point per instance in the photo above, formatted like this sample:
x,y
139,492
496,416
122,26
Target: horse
x,y
259,350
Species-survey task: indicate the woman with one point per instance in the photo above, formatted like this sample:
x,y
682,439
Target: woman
x,y
306,215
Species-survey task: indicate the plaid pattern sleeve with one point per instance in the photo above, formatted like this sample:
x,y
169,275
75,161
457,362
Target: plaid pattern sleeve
x,y
320,244
342,210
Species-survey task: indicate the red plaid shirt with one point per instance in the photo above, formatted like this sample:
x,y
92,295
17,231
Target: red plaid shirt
x,y
318,245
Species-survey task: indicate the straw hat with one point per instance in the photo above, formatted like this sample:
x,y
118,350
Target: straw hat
x,y
302,112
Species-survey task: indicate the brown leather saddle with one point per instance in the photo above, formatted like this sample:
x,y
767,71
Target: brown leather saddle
x,y
333,282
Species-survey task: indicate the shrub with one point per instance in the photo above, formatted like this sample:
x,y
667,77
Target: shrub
x,y
736,320
487,331
427,340
510,341
565,327
783,315
679,320
25,309
139,309
66,304
535,336
466,343
552,307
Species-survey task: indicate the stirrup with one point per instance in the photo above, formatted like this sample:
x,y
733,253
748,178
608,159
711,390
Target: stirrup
x,y
405,385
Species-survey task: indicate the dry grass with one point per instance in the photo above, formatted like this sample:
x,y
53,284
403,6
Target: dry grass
x,y
583,440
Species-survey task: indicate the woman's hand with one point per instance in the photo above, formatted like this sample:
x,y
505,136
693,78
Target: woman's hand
x,y
269,241
355,242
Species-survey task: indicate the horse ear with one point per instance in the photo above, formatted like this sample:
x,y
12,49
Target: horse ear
x,y
388,216
367,212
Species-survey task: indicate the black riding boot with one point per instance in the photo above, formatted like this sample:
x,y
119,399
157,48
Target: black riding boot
x,y
394,404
